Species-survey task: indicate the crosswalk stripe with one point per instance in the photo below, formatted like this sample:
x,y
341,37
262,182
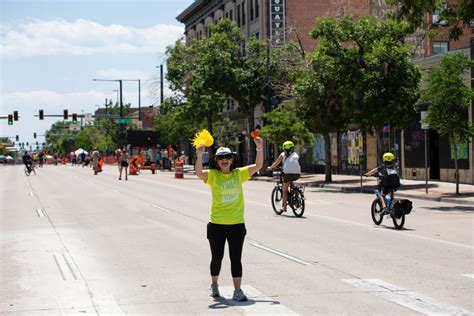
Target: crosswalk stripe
x,y
467,275
257,304
400,296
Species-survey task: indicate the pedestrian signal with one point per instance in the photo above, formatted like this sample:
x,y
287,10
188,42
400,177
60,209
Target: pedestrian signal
x,y
34,135
65,115
15,115
10,119
74,118
41,114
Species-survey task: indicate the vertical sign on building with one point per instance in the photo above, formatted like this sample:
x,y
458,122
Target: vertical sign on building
x,y
277,22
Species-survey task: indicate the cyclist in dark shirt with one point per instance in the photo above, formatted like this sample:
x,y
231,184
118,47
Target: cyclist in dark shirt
x,y
390,180
28,161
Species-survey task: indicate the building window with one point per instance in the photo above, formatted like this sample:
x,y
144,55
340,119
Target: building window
x,y
238,15
243,13
257,8
257,35
227,15
231,14
440,47
251,10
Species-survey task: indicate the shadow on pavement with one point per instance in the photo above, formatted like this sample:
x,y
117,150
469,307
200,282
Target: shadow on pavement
x,y
456,208
222,302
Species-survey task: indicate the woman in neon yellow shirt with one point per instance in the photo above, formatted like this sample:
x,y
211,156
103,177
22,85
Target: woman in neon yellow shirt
x,y
227,211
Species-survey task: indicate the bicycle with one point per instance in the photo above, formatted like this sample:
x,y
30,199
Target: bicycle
x,y
295,196
396,209
29,170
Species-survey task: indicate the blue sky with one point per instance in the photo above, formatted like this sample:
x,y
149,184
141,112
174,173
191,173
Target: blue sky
x,y
50,50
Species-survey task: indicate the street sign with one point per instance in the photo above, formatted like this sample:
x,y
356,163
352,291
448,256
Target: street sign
x,y
124,120
88,117
74,127
423,116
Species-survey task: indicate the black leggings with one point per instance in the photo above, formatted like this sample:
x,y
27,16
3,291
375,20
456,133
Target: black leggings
x,y
235,235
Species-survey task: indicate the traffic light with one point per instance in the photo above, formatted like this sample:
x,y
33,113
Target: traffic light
x,y
27,144
74,118
65,115
15,115
10,119
36,144
41,114
17,138
34,135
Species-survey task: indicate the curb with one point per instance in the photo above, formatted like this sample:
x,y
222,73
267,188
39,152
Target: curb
x,y
329,187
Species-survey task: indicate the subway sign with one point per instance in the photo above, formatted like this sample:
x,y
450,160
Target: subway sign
x,y
277,22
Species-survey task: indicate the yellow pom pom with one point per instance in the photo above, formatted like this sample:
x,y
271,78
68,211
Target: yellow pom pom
x,y
203,138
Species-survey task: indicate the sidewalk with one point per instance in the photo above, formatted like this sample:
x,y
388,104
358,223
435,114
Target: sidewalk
x,y
411,189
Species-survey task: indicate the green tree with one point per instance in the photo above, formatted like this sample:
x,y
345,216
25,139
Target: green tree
x,y
457,14
175,124
226,133
449,98
282,124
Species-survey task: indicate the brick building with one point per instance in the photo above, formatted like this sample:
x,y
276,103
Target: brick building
x,y
280,21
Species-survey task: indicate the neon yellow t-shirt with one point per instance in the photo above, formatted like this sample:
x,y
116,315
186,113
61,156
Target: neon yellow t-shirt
x,y
227,196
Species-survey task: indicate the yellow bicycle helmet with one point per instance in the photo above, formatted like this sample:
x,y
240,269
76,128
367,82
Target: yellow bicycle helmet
x,y
288,145
388,157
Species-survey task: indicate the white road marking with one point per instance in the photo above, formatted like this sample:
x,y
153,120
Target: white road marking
x,y
105,303
468,275
31,194
389,231
40,212
64,265
400,296
113,190
257,304
282,254
318,202
160,208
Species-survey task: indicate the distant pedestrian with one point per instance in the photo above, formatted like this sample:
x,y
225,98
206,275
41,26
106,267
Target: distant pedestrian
x,y
95,160
227,211
158,159
124,163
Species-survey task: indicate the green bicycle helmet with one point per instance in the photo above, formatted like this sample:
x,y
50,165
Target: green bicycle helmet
x,y
288,145
388,157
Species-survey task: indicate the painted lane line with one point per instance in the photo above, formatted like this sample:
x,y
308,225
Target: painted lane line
x,y
282,254
318,202
105,303
40,212
31,194
389,231
64,264
257,304
115,191
160,208
468,275
408,299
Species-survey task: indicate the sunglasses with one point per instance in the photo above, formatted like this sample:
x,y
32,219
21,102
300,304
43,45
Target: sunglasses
x,y
228,156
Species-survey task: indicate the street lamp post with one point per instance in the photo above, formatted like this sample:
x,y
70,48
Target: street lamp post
x,y
139,96
121,107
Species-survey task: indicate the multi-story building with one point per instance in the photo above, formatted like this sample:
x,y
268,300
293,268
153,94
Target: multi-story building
x,y
280,21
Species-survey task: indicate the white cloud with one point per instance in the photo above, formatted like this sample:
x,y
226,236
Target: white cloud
x,y
113,73
84,37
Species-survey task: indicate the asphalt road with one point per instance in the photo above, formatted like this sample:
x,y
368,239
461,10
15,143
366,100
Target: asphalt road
x,y
75,243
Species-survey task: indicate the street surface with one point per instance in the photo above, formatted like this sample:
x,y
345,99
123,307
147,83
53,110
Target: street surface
x,y
75,243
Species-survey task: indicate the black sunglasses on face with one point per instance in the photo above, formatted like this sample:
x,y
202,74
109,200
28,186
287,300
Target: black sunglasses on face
x,y
229,156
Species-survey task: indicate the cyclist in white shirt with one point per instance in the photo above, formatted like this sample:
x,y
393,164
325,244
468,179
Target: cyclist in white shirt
x,y
291,168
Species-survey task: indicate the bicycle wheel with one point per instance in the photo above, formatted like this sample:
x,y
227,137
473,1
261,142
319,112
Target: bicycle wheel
x,y
277,199
297,202
399,222
376,212
26,171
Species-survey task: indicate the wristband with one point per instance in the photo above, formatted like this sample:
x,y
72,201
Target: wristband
x,y
259,149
